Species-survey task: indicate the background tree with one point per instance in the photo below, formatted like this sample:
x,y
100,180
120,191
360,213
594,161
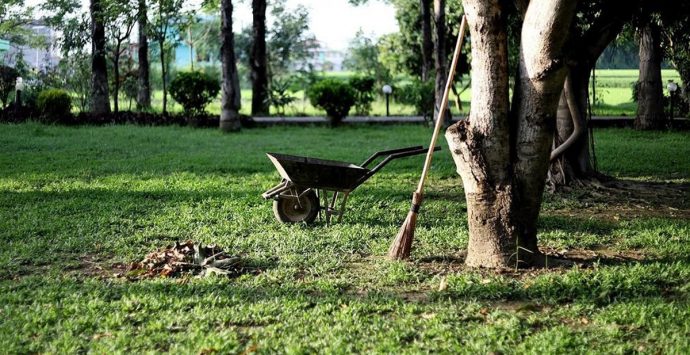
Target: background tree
x,y
100,99
143,71
14,14
120,19
230,93
427,39
290,42
597,25
363,57
258,59
677,39
650,95
164,26
440,55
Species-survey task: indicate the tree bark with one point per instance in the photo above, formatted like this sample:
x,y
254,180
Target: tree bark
x,y
259,62
502,154
230,97
100,98
164,75
116,78
144,85
575,163
427,39
650,107
440,58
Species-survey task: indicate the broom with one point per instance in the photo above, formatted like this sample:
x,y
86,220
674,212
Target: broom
x,y
400,249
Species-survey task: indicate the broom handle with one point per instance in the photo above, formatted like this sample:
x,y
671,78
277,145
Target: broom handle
x,y
444,106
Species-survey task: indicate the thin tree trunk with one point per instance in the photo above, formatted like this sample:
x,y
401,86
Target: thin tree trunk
x,y
650,107
504,167
116,78
230,96
144,85
164,76
100,98
440,56
427,39
259,63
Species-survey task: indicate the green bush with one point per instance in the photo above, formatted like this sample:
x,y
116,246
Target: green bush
x,y
419,94
364,93
54,104
279,95
194,90
334,96
8,79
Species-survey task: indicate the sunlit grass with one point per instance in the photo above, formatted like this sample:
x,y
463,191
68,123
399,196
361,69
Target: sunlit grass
x,y
73,201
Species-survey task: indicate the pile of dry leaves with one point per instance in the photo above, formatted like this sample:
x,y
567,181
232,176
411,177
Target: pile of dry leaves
x,y
187,258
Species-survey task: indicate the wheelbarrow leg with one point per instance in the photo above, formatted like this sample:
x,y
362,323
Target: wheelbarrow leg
x,y
323,194
342,206
331,207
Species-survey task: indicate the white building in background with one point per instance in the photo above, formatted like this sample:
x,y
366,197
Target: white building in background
x,y
324,58
329,59
36,58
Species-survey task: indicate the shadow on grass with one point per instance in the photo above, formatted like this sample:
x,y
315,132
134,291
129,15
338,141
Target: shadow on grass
x,y
608,283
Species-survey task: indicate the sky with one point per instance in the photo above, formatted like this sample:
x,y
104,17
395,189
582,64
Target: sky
x,y
333,22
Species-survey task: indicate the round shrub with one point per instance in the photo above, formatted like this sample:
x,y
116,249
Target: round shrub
x,y
419,94
364,93
54,104
194,90
333,96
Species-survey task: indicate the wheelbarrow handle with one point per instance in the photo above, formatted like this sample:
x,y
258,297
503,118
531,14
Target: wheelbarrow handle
x,y
418,151
388,152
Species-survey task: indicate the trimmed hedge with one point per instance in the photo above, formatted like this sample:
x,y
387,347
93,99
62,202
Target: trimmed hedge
x,y
54,104
194,91
334,96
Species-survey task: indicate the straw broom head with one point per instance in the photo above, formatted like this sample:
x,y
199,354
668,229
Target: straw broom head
x,y
400,249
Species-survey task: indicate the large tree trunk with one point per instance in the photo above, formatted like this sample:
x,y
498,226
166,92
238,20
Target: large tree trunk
x,y
503,166
230,97
144,86
650,107
259,62
427,39
440,58
100,98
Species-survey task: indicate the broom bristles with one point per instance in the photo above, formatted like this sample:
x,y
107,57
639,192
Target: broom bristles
x,y
400,249
402,245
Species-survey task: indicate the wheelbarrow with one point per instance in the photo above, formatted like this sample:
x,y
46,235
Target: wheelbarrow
x,y
313,187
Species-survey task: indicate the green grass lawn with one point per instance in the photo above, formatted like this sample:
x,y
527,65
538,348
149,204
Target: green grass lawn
x,y
614,98
76,202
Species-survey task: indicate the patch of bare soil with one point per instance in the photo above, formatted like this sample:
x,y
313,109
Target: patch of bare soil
x,y
626,199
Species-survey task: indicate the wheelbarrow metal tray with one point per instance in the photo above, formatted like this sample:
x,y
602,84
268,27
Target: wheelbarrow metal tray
x,y
318,173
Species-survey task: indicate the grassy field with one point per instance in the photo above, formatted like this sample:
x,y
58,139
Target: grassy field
x,y
75,203
614,98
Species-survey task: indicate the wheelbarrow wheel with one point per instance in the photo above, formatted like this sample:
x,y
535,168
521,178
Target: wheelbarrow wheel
x,y
289,210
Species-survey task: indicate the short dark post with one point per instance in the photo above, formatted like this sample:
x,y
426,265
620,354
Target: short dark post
x,y
387,90
19,87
